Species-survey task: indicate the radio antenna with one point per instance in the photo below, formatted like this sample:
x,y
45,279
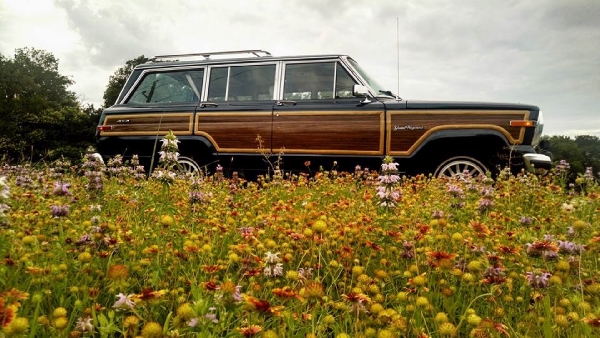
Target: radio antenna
x,y
398,58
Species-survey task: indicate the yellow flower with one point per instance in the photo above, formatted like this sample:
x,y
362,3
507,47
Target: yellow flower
x,y
319,226
152,330
18,326
59,312
447,329
167,221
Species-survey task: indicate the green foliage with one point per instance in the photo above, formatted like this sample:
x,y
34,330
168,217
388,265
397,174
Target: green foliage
x,y
41,118
580,152
118,79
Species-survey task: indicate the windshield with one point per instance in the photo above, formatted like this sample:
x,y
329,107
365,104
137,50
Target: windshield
x,y
372,83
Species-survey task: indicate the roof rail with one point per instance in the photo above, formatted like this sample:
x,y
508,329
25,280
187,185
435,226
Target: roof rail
x,y
255,52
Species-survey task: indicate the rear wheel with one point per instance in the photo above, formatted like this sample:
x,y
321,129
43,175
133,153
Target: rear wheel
x,y
460,166
187,165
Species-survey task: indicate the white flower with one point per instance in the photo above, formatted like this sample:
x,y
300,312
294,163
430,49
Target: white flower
x,y
568,207
272,258
278,270
124,302
4,191
84,325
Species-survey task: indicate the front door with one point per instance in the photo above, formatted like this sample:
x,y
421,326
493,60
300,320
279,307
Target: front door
x,y
318,114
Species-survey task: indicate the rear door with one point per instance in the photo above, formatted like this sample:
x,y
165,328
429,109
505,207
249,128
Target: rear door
x,y
161,100
236,116
318,115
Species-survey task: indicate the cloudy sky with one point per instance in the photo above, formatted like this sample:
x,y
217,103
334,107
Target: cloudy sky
x,y
542,52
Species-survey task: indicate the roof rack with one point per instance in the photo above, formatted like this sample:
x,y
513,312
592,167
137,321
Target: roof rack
x,y
255,52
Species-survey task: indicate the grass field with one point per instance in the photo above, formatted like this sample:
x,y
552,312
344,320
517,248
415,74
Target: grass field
x,y
96,253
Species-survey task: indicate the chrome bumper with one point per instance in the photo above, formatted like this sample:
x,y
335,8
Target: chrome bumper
x,y
537,163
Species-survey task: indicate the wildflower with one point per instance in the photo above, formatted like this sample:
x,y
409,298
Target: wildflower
x,y
59,210
386,191
305,273
273,270
250,331
538,280
93,167
440,259
7,313
314,290
408,250
230,291
211,316
357,298
447,329
525,220
118,272
563,167
262,306
272,258
152,330
4,190
570,247
84,325
61,188
286,292
193,322
546,249
124,302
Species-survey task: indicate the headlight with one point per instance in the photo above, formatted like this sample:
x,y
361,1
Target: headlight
x,y
539,127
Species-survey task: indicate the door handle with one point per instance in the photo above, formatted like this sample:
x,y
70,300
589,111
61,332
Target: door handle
x,y
286,103
208,104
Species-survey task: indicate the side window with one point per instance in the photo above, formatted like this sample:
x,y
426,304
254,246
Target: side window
x,y
241,83
343,83
316,81
169,87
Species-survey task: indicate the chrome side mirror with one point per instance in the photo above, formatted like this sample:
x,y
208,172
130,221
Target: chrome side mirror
x,y
361,91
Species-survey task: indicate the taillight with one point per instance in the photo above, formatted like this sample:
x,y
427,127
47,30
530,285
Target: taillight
x,y
522,123
104,128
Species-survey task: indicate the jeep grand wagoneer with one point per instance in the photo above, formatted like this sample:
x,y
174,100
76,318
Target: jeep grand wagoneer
x,y
318,109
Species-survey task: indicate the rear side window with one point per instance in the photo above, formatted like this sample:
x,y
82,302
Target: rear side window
x,y
316,81
241,83
169,87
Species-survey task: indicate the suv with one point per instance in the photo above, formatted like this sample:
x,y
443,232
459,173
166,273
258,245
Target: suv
x,y
305,112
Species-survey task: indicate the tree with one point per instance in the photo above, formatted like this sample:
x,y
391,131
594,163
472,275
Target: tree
x,y
40,117
581,152
118,79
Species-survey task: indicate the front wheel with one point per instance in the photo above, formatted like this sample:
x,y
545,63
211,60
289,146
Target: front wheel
x,y
461,167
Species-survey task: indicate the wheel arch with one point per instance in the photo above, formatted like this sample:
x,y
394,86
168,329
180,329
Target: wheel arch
x,y
483,145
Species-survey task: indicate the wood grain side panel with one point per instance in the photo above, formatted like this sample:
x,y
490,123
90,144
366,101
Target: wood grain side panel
x,y
149,124
235,132
408,129
345,133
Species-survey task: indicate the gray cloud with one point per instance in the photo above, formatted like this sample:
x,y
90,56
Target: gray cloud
x,y
539,52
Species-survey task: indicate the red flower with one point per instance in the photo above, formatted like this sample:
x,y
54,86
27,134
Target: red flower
x,y
7,314
286,292
211,268
263,306
250,331
210,286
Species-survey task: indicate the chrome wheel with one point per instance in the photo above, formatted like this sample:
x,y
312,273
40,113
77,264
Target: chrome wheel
x,y
187,165
461,167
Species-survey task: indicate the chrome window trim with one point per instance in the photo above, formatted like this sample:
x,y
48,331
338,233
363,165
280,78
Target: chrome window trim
x,y
354,72
229,65
143,74
334,60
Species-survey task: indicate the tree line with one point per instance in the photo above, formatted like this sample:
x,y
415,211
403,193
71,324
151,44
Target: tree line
x,y
42,120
